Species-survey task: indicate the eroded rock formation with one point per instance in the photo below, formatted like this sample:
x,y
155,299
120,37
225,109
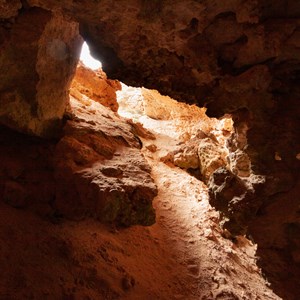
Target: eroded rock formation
x,y
100,169
88,84
180,48
39,54
239,57
94,170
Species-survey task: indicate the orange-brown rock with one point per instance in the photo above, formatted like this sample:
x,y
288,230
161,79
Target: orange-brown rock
x,y
9,9
100,169
37,63
234,56
96,86
94,170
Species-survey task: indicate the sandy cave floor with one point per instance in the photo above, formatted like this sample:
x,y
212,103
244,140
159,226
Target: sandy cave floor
x,y
183,256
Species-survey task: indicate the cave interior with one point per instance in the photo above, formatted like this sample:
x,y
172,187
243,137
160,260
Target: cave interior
x,y
207,89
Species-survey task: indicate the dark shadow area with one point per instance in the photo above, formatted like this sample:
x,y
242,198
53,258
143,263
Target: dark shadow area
x,y
26,171
277,232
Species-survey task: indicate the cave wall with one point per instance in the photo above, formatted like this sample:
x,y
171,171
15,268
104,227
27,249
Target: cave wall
x,y
38,57
227,55
237,57
240,57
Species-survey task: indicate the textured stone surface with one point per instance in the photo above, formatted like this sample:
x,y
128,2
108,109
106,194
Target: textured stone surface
x,y
9,8
211,157
95,86
100,169
201,153
236,199
276,230
38,63
250,70
186,157
94,170
183,50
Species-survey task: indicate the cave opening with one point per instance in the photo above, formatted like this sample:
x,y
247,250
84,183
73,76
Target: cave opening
x,y
87,59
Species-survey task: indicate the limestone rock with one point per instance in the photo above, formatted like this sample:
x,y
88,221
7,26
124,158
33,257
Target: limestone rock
x,y
95,86
94,170
186,156
39,62
139,130
101,170
250,66
211,157
234,198
151,147
240,163
178,47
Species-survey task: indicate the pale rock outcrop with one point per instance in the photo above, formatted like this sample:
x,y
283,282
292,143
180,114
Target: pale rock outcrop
x,y
201,152
211,157
186,157
240,163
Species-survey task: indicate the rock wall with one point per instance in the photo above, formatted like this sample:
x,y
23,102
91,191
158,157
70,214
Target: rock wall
x,y
38,57
227,56
94,170
99,169
88,84
240,57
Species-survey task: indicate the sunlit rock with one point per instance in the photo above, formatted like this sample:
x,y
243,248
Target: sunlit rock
x,y
88,84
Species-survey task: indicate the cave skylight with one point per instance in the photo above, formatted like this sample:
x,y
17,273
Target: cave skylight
x,y
87,59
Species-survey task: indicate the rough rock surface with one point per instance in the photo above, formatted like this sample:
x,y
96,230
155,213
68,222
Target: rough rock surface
x,y
234,190
250,70
236,199
38,63
100,168
94,170
184,255
180,48
94,85
276,229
